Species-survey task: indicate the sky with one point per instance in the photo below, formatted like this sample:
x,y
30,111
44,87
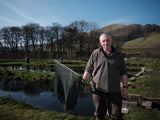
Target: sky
x,y
64,12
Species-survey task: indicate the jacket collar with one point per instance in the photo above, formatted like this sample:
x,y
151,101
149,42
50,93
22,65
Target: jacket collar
x,y
113,52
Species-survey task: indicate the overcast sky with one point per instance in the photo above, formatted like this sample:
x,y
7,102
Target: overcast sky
x,y
64,12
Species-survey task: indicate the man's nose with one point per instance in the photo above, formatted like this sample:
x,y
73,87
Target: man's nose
x,y
106,41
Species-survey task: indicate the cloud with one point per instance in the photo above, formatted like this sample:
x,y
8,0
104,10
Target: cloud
x,y
18,12
9,20
126,20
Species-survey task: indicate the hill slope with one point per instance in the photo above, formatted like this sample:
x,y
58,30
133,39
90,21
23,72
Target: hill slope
x,y
125,33
150,41
135,39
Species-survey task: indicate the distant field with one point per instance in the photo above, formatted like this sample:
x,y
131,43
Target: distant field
x,y
143,42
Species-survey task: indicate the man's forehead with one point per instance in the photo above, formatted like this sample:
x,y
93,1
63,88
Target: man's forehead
x,y
105,37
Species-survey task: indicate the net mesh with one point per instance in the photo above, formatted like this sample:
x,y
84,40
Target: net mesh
x,y
66,85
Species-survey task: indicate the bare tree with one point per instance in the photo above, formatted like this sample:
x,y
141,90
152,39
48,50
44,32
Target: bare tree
x,y
15,33
50,39
41,39
4,37
57,30
26,38
70,37
33,32
83,28
55,37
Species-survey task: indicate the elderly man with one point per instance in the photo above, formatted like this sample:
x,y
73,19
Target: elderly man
x,y
106,66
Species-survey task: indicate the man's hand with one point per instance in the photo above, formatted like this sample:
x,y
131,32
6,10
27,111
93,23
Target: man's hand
x,y
86,86
124,93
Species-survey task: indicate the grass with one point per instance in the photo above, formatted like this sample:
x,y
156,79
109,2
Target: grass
x,y
149,86
143,42
33,62
14,110
27,76
138,113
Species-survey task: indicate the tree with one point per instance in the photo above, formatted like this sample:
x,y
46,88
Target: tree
x,y
16,36
70,37
82,28
4,37
26,38
33,33
50,39
41,34
57,30
93,40
93,36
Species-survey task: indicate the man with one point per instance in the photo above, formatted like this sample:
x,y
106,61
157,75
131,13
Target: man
x,y
106,65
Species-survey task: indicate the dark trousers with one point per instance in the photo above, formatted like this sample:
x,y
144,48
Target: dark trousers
x,y
107,101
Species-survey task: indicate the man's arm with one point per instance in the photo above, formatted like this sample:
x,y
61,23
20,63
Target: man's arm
x,y
125,85
125,80
86,75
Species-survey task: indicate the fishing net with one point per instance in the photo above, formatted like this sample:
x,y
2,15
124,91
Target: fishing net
x,y
66,85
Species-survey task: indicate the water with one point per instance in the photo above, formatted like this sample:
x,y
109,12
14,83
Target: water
x,y
31,68
48,101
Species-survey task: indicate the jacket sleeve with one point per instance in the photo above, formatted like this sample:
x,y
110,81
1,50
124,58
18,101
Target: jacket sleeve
x,y
90,65
123,69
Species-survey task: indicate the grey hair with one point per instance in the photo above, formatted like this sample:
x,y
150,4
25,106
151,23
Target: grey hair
x,y
104,34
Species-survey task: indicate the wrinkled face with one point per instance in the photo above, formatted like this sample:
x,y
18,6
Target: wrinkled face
x,y
106,42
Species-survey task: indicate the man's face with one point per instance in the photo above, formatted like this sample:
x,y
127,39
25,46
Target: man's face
x,y
106,42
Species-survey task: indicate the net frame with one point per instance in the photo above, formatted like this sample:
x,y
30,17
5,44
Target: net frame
x,y
66,85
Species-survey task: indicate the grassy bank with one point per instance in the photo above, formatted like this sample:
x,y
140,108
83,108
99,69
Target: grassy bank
x,y
27,76
148,85
138,113
13,110
33,62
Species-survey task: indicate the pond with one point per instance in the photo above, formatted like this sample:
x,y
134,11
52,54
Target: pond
x,y
31,68
47,100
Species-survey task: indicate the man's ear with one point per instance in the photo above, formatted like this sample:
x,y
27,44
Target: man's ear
x,y
100,44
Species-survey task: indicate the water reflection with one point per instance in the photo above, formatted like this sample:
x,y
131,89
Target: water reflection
x,y
47,100
29,88
78,101
68,98
67,93
66,86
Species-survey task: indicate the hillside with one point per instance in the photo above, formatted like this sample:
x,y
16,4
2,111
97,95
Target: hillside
x,y
135,39
125,33
148,46
112,27
150,41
